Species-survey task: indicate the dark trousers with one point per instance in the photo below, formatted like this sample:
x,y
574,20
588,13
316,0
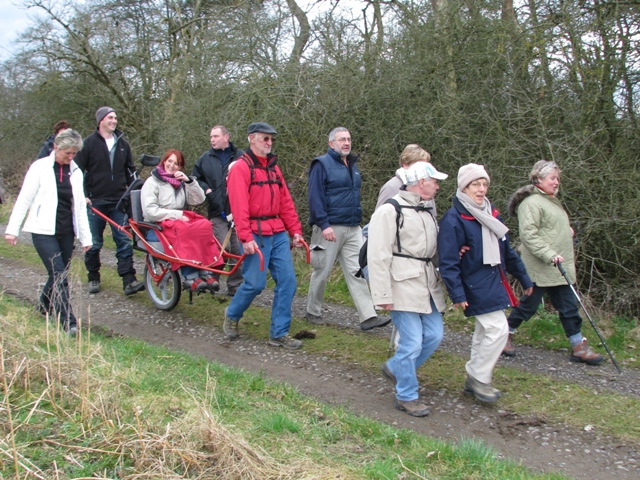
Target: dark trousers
x,y
124,250
562,299
55,252
220,229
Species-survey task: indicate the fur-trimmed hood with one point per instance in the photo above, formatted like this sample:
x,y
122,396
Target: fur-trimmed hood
x,y
517,198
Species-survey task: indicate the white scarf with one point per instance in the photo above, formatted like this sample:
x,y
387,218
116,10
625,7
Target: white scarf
x,y
492,228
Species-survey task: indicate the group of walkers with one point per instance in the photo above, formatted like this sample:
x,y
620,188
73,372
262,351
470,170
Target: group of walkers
x,y
250,208
470,251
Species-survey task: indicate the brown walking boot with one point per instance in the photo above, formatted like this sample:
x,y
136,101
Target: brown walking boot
x,y
415,408
482,391
509,348
582,353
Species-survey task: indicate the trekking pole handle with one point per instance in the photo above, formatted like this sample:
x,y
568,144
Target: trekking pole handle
x,y
561,268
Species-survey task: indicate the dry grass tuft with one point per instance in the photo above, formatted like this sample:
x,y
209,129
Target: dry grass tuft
x,y
45,373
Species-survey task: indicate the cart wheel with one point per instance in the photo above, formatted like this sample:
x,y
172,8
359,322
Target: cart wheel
x,y
165,294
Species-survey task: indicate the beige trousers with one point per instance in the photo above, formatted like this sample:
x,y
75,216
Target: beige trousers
x,y
489,339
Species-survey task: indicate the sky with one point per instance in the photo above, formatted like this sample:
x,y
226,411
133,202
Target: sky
x,y
13,21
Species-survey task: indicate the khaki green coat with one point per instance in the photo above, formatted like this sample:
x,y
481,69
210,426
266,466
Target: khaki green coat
x,y
545,233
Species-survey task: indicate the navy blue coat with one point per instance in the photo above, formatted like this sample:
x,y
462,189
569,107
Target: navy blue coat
x,y
468,278
334,191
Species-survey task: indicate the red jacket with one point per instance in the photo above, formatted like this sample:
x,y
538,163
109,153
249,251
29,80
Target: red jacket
x,y
259,198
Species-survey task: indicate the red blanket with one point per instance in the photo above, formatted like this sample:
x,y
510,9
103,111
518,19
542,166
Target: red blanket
x,y
192,240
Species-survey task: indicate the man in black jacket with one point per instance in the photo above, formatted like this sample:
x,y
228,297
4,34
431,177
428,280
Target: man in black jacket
x,y
108,169
211,171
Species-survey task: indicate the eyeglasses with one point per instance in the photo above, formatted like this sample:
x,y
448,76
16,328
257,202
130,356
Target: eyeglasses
x,y
479,184
266,139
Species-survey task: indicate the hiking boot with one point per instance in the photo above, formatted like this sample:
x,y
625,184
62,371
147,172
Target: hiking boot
x,y
285,341
386,373
230,327
315,319
482,391
72,330
133,287
582,353
415,408
374,322
211,283
509,349
231,291
94,286
197,285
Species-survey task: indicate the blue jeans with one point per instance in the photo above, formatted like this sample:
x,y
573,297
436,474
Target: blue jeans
x,y
562,299
277,258
420,335
124,250
55,252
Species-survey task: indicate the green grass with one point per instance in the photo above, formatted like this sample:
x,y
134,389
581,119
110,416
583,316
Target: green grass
x,y
542,331
546,397
116,407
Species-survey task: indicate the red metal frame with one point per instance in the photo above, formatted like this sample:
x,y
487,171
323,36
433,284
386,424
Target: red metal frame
x,y
133,230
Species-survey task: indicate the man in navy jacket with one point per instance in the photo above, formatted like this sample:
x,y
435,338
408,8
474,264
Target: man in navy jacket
x,y
335,214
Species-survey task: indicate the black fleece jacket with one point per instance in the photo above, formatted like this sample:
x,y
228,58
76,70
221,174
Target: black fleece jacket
x,y
211,174
105,181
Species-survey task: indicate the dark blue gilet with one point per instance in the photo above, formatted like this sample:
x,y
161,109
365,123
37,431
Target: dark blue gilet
x,y
342,189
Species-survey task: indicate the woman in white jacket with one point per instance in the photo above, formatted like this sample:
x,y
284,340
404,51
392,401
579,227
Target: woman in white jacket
x,y
53,195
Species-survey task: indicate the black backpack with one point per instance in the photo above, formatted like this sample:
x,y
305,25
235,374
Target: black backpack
x,y
362,256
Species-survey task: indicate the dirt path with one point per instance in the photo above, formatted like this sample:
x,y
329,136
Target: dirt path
x,y
538,445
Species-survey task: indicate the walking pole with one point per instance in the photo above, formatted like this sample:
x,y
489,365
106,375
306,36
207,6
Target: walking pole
x,y
564,274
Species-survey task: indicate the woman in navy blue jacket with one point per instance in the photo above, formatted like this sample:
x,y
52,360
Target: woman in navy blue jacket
x,y
476,281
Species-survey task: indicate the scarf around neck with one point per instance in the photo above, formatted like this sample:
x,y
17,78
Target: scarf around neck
x,y
492,228
167,177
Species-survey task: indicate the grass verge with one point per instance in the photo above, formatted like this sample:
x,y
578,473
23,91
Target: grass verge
x,y
112,408
546,397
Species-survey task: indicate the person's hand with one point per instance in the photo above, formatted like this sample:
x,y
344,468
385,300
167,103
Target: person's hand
x,y
88,201
297,241
528,292
207,191
329,235
462,305
87,248
181,176
11,239
387,306
464,249
250,247
557,259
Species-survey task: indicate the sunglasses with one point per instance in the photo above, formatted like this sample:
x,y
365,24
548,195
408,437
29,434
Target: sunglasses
x,y
266,138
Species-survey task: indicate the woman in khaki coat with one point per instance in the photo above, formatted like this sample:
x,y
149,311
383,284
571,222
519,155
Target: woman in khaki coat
x,y
404,281
547,239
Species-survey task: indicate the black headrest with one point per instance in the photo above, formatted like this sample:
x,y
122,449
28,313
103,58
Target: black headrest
x,y
149,160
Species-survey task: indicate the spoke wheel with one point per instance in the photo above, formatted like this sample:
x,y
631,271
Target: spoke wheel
x,y
165,294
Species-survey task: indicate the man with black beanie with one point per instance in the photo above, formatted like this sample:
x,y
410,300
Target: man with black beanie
x,y
108,169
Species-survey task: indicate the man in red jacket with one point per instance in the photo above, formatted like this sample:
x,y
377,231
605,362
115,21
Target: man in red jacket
x,y
264,213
